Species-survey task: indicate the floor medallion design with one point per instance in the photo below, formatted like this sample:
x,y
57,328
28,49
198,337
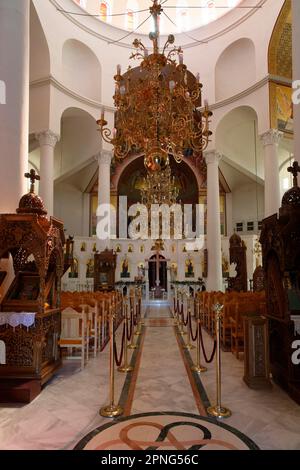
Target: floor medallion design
x,y
165,431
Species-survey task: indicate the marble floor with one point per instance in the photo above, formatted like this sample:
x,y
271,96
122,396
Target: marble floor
x,y
68,408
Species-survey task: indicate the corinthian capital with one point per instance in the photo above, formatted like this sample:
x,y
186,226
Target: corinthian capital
x,y
47,138
212,156
271,137
104,157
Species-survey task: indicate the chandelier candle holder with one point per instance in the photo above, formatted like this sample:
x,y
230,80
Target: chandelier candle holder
x,y
158,104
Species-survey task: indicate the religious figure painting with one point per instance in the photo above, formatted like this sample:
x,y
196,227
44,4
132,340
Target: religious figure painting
x,y
125,268
118,249
189,268
90,269
281,107
130,249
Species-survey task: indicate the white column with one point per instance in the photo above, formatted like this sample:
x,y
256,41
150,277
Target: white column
x,y
296,75
214,277
47,140
104,162
270,140
14,105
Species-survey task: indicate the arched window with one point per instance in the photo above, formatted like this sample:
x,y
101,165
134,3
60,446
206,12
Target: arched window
x,y
209,11
103,11
82,3
182,16
131,18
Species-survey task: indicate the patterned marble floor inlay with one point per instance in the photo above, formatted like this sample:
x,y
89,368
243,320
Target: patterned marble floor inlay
x,y
165,431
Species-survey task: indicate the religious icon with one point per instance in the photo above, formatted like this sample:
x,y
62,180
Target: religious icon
x,y
173,272
90,269
125,268
73,274
173,248
94,248
142,249
130,249
184,250
118,249
83,246
189,272
141,271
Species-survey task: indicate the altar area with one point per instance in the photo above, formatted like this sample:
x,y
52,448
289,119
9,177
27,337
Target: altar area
x,y
184,266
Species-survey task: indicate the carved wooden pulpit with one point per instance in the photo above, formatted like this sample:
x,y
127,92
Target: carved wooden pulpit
x,y
280,239
237,251
30,317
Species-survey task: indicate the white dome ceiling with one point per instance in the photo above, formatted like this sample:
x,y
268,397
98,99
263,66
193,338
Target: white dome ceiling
x,y
178,15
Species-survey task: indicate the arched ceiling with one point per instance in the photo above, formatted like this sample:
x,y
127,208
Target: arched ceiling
x,y
184,15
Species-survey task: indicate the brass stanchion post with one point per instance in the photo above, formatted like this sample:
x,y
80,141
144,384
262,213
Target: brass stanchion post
x,y
132,345
198,367
218,410
126,367
112,410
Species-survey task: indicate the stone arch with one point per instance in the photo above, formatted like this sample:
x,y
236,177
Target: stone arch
x,y
81,69
235,69
122,167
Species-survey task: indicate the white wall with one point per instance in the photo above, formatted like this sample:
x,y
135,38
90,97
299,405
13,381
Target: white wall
x,y
68,207
235,69
245,201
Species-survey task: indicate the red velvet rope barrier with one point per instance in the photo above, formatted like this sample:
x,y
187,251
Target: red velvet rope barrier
x,y
208,361
120,359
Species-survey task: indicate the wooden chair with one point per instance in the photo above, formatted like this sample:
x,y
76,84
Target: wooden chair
x,y
75,332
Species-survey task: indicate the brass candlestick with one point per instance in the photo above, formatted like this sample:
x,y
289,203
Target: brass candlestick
x,y
218,410
112,410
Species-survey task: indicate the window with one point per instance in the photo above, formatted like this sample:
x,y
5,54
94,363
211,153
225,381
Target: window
x,y
209,11
239,227
103,11
81,3
250,226
182,16
131,18
259,225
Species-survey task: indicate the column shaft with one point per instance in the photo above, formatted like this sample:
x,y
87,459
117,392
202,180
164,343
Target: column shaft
x,y
270,142
214,278
48,141
14,112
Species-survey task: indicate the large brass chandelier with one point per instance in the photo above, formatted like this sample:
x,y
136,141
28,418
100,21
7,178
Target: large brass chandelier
x,y
158,106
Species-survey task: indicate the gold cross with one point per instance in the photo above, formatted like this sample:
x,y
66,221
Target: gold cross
x,y
33,177
294,169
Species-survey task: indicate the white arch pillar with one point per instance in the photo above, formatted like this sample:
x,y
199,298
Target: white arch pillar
x,y
14,112
270,140
213,236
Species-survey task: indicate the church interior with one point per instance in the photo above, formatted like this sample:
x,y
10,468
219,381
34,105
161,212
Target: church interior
x,y
149,225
